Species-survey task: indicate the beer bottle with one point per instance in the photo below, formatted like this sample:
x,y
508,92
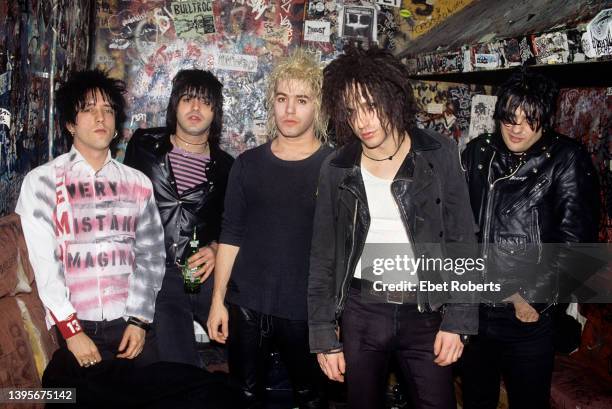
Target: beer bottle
x,y
191,283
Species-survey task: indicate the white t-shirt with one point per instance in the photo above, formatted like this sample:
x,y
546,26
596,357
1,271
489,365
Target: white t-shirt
x,y
386,225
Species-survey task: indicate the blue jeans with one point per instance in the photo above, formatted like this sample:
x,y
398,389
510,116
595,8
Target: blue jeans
x,y
522,353
175,311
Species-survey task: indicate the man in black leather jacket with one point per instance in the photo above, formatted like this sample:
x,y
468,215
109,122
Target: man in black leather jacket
x,y
388,183
189,174
529,188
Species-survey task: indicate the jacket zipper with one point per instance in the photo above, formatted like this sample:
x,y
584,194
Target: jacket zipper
x,y
535,190
348,264
412,246
489,209
488,220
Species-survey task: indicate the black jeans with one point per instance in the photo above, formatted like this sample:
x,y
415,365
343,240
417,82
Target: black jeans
x,y
175,311
251,335
522,353
107,336
374,332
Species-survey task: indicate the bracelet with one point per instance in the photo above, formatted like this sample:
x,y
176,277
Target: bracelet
x,y
68,327
139,323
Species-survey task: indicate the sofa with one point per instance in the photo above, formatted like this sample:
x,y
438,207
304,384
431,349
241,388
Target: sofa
x,y
26,346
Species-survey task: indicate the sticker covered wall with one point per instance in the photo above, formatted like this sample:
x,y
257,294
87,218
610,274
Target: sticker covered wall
x,y
585,114
446,107
40,42
146,43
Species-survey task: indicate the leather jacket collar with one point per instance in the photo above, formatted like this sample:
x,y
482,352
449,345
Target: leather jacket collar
x,y
351,154
350,157
542,145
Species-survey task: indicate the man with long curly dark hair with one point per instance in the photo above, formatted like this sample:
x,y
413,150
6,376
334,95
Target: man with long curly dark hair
x,y
395,184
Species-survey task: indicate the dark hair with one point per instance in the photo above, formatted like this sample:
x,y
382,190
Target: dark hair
x,y
199,84
74,94
383,81
535,94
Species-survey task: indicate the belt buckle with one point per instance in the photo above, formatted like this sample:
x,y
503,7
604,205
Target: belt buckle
x,y
395,297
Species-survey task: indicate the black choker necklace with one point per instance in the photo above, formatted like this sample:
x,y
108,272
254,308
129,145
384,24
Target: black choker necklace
x,y
383,159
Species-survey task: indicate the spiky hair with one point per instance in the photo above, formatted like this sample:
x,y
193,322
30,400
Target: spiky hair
x,y
301,66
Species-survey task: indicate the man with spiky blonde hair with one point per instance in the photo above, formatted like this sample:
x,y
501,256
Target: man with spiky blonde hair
x,y
262,261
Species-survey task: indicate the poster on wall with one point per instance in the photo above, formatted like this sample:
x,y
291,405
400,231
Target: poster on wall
x,y
551,48
597,40
193,19
236,62
358,22
481,117
315,30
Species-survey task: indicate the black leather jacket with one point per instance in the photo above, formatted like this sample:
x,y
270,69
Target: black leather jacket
x,y
432,196
524,206
200,206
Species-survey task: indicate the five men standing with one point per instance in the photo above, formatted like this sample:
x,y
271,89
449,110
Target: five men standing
x,y
286,243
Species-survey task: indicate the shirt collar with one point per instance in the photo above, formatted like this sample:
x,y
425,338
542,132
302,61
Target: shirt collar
x,y
76,159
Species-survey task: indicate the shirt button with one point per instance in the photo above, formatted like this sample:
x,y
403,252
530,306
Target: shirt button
x,y
438,201
441,234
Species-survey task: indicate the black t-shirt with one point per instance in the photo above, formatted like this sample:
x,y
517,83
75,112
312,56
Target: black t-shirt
x,y
269,210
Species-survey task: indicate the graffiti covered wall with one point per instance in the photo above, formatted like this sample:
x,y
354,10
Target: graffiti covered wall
x,y
585,114
146,43
40,42
446,107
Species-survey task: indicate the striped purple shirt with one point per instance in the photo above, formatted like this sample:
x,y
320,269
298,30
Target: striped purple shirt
x,y
189,168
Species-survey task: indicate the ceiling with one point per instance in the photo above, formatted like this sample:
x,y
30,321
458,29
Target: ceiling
x,y
488,20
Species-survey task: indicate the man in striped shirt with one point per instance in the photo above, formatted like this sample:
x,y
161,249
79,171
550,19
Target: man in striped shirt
x,y
189,173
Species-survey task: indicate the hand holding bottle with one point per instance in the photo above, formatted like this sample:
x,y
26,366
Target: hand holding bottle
x,y
204,261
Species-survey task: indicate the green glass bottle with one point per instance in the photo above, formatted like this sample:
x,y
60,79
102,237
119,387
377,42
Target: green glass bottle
x,y
191,283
